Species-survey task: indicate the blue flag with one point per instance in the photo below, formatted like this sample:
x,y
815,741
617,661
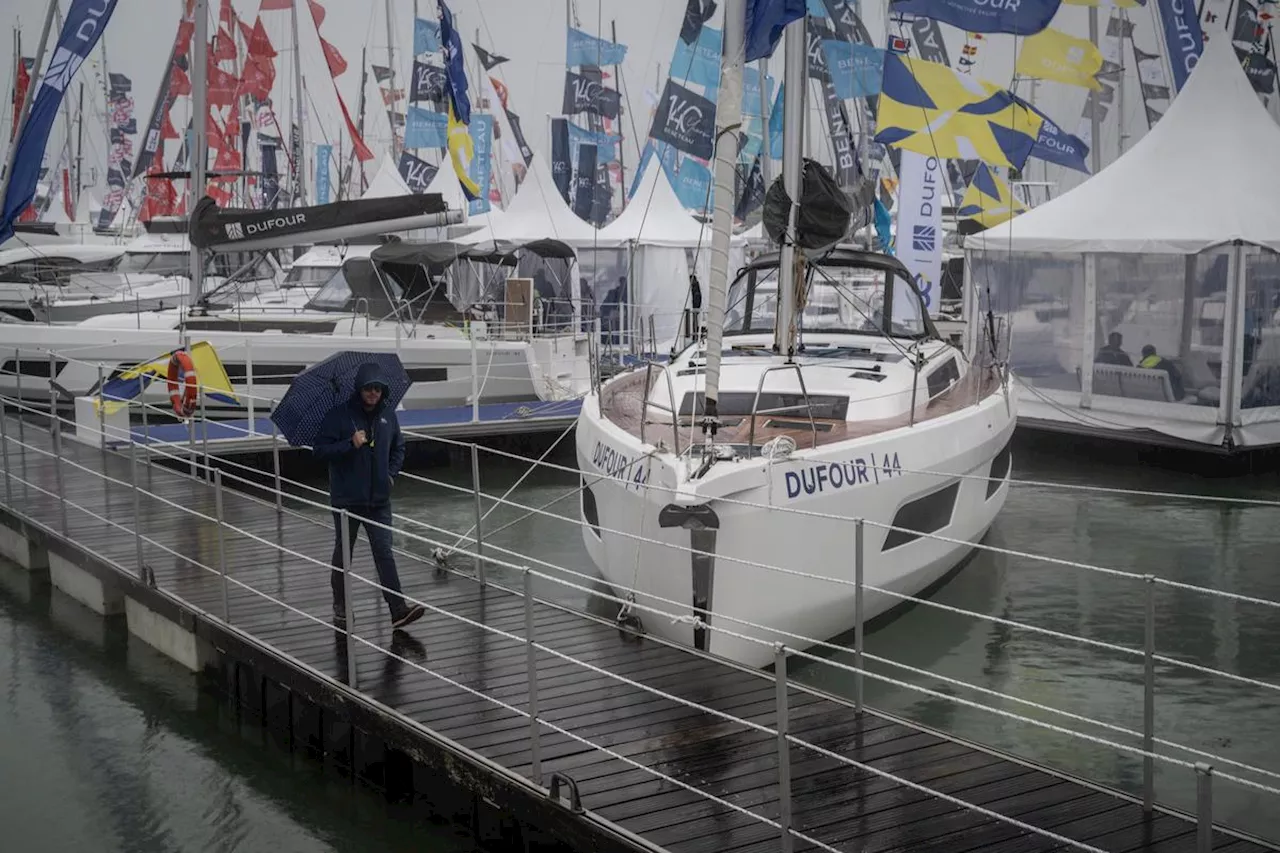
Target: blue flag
x,y
605,143
323,154
1183,38
1055,145
426,36
454,66
645,157
766,19
1019,17
80,32
584,49
481,129
751,102
693,185
884,227
699,63
425,129
855,69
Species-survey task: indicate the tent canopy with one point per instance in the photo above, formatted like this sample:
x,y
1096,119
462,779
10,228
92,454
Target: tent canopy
x,y
1204,176
387,182
536,212
655,217
445,182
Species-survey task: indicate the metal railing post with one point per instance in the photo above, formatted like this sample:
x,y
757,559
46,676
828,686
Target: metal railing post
x,y
1149,698
475,379
349,608
249,389
535,745
1204,808
475,484
275,458
55,429
4,448
191,443
859,607
17,378
204,435
146,431
137,512
222,546
102,410
784,747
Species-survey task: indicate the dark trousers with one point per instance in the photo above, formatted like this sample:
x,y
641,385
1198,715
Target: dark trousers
x,y
379,542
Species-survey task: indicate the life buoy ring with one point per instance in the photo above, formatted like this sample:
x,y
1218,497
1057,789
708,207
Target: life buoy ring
x,y
184,385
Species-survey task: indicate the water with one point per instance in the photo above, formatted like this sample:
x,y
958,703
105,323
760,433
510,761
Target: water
x,y
137,756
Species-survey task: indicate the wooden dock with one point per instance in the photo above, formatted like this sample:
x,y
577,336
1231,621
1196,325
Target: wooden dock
x,y
404,728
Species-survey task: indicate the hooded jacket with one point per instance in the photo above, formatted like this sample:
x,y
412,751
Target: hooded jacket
x,y
361,477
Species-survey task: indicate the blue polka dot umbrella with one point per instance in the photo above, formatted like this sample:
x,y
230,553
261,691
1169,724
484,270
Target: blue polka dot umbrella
x,y
322,386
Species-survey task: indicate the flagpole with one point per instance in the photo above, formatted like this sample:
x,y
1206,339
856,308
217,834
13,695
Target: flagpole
x,y
1095,126
199,115
299,118
391,66
617,74
1124,21
32,88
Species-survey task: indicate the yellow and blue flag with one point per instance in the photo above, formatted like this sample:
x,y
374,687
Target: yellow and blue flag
x,y
1053,55
461,149
928,108
989,199
131,382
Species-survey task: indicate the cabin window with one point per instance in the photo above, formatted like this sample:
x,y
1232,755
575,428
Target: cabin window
x,y
944,377
33,367
999,470
738,403
928,514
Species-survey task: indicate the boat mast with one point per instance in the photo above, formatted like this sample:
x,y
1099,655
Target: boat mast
x,y
1095,125
299,118
391,66
36,69
793,113
199,148
75,199
728,119
766,160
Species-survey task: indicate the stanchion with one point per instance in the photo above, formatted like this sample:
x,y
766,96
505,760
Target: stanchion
x,y
535,745
139,553
146,435
55,429
859,623
349,607
275,457
250,402
222,545
17,379
1204,808
102,411
204,436
784,747
4,448
475,484
1149,698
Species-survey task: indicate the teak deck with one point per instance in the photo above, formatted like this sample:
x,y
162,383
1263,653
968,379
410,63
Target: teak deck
x,y
842,806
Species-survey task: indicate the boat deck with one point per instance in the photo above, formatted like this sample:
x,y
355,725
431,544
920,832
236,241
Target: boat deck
x,y
638,722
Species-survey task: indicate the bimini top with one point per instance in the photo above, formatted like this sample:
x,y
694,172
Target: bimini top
x,y
436,257
1204,176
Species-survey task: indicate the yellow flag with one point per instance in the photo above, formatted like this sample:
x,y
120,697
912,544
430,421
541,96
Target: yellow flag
x,y
461,152
1053,55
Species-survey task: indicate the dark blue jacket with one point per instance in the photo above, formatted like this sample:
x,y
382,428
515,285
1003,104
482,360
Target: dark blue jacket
x,y
360,478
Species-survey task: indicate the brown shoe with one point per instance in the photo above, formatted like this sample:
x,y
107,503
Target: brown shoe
x,y
413,614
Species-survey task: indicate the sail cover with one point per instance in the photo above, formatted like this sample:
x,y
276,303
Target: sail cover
x,y
240,228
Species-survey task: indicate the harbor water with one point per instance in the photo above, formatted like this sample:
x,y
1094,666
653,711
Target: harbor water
x,y
117,750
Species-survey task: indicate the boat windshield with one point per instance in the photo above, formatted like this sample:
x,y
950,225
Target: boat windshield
x,y
309,276
844,299
355,286
155,263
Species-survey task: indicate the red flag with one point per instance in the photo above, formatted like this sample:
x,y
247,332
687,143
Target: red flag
x,y
222,86
257,78
223,48
227,15
228,160
179,83
361,150
317,13
246,31
20,95
276,5
218,194
337,65
213,135
259,43
167,130
186,30
501,90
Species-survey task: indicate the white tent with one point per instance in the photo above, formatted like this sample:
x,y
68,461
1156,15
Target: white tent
x,y
387,182
538,212
445,182
1205,175
655,217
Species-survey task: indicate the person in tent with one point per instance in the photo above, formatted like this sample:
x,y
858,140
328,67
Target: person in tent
x,y
361,440
1113,352
1152,361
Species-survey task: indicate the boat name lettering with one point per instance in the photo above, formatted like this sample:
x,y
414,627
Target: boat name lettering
x,y
831,476
618,465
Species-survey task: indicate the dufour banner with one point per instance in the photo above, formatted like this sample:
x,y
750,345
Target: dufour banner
x,y
921,194
1182,38
686,120
1017,17
80,32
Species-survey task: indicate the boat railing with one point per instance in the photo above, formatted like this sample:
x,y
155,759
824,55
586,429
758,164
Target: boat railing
x,y
757,411
646,403
515,572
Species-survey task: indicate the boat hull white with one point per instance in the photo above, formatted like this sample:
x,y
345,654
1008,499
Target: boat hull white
x,y
872,478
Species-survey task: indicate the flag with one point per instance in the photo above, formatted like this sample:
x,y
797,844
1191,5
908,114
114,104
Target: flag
x,y
1117,4
425,129
585,49
455,70
686,120
85,21
989,199
561,165
584,183
928,108
1021,18
855,69
461,153
766,19
698,62
323,155
129,383
921,196
692,185
487,59
429,83
418,174
752,101
696,14
1055,145
1182,37
1053,55
426,36
586,93
884,227
480,168
605,143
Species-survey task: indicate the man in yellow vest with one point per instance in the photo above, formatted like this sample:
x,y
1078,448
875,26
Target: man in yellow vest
x,y
1152,361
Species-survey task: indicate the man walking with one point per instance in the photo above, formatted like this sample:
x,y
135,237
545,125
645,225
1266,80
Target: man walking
x,y
361,441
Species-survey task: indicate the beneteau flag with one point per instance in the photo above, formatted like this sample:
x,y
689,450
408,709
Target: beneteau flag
x,y
80,32
930,109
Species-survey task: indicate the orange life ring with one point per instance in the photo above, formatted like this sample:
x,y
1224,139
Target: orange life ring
x,y
184,386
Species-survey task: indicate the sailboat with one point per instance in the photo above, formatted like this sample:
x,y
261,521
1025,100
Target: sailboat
x,y
823,394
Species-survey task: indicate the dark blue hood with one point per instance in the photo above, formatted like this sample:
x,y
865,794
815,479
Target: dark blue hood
x,y
370,374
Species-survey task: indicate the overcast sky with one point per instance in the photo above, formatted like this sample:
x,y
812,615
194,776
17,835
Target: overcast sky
x,y
530,32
